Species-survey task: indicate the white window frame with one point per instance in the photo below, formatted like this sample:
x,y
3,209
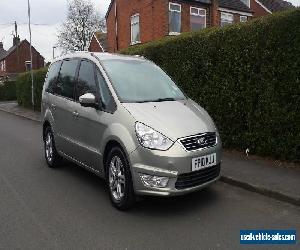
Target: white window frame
x,y
242,17
193,14
137,23
28,63
227,19
178,11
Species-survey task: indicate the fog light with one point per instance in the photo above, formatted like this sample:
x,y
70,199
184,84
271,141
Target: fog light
x,y
154,181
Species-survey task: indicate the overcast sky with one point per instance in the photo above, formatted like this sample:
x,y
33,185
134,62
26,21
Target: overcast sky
x,y
47,15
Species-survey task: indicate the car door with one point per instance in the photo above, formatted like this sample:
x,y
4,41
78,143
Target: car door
x,y
63,107
91,122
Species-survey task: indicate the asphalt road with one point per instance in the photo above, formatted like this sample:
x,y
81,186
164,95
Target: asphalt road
x,y
69,208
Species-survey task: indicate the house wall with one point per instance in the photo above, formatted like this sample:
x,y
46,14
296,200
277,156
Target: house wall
x,y
111,30
94,45
153,22
154,19
185,13
15,62
257,9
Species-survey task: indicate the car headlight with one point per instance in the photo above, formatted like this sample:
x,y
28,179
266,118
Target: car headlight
x,y
149,138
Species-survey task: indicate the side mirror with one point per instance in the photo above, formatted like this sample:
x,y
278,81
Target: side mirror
x,y
88,100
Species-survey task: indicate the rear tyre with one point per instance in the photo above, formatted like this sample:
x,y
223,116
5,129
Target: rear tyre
x,y
53,159
119,179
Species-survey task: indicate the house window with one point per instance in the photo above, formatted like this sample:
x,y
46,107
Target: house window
x,y
3,66
243,19
246,2
174,18
135,29
28,65
226,18
198,18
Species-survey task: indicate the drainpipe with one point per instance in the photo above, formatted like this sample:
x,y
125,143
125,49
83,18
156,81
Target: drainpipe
x,y
116,22
215,13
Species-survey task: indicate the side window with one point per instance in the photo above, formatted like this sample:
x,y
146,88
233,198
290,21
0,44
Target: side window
x,y
52,76
86,79
107,100
66,79
135,29
174,18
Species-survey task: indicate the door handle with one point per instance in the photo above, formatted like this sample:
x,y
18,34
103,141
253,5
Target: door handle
x,y
75,114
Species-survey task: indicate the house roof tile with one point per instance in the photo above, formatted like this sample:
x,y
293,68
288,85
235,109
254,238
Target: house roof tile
x,y
276,5
12,49
234,5
102,39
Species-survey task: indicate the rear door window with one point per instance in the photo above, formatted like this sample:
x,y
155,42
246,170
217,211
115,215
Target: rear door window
x,y
66,80
52,76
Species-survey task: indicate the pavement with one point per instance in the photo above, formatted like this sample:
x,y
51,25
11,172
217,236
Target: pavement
x,y
69,207
268,177
13,108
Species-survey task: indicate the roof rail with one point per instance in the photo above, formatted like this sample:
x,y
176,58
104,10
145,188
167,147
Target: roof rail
x,y
139,56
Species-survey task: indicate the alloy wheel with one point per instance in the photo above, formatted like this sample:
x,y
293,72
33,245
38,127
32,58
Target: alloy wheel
x,y
117,178
49,147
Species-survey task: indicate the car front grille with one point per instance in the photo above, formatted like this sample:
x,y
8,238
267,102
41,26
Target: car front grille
x,y
199,141
197,178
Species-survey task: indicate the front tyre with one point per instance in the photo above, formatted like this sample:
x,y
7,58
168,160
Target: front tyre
x,y
53,159
119,179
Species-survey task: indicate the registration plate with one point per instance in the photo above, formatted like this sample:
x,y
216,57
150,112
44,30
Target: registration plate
x,y
204,162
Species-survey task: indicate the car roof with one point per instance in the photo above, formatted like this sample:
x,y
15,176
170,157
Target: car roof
x,y
100,56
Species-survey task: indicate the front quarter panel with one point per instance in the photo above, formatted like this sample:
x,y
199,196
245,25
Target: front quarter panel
x,y
46,112
121,134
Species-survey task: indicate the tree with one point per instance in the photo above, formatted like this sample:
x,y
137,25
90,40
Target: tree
x,y
81,23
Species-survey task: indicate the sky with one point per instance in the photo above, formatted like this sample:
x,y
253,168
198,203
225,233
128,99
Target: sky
x,y
47,16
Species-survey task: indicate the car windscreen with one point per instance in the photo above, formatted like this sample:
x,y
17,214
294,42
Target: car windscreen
x,y
141,81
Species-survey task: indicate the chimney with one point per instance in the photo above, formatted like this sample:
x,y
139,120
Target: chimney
x,y
215,13
16,40
1,46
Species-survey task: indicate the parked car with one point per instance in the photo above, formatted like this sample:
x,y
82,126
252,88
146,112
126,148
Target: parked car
x,y
124,119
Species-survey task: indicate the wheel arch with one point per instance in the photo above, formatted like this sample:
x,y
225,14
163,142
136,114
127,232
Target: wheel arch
x,y
109,145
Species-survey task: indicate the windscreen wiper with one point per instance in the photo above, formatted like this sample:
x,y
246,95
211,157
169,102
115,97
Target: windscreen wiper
x,y
164,99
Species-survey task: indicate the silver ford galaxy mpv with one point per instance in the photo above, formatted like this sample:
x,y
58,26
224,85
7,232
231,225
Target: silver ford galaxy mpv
x,y
123,118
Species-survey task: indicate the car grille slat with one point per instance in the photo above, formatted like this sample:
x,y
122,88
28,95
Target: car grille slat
x,y
197,178
200,141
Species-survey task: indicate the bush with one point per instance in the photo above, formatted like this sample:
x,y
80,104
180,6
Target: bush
x,y
247,76
23,85
8,91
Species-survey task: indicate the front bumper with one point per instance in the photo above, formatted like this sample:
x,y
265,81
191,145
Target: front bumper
x,y
173,163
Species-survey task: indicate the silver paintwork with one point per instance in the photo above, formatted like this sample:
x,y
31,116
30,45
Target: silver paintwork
x,y
82,133
87,98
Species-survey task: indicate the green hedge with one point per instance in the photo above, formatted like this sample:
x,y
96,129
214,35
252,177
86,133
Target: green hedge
x,y
247,76
23,85
8,91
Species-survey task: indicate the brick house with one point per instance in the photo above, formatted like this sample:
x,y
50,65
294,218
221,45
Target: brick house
x,y
131,22
98,42
17,58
